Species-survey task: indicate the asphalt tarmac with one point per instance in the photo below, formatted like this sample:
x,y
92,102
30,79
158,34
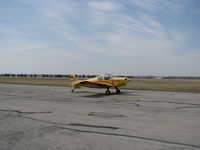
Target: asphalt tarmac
x,y
49,117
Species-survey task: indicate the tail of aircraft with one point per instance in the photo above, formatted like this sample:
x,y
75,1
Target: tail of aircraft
x,y
73,78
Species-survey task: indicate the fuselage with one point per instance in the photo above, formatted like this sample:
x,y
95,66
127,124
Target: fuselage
x,y
106,80
103,81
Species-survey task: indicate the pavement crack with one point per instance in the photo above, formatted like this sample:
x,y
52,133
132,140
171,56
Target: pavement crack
x,y
71,124
93,126
24,112
132,136
64,126
104,114
175,102
190,105
186,107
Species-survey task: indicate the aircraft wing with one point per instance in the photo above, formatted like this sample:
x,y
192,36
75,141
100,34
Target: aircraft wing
x,y
92,84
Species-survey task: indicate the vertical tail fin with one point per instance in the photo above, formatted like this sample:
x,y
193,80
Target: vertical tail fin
x,y
73,78
74,82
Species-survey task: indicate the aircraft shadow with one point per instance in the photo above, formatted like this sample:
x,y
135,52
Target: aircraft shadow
x,y
99,95
83,92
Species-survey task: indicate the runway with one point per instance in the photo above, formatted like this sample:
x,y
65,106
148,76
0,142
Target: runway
x,y
49,117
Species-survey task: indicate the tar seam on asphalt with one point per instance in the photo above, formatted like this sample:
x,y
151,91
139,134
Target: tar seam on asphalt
x,y
180,107
193,105
135,102
104,114
174,102
26,112
112,134
94,126
132,136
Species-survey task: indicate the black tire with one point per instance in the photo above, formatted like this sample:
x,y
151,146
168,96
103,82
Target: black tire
x,y
118,91
107,92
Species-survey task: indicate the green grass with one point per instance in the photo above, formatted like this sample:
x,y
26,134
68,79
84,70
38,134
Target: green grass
x,y
38,81
176,85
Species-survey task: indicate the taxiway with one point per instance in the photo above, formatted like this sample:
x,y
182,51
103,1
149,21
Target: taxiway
x,y
49,117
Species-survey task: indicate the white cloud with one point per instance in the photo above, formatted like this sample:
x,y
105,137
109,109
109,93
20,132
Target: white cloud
x,y
22,47
105,5
177,36
102,37
166,6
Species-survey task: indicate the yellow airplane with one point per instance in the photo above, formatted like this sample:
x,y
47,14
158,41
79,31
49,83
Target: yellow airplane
x,y
103,81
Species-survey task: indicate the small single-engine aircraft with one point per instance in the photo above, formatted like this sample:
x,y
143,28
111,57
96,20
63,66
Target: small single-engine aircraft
x,y
103,81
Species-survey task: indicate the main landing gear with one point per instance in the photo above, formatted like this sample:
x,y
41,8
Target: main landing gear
x,y
117,90
108,91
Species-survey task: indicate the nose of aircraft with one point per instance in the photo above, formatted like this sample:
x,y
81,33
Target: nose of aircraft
x,y
121,81
126,80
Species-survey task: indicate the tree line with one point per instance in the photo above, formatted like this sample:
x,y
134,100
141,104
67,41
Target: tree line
x,y
43,75
91,76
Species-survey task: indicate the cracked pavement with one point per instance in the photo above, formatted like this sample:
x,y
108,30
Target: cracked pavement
x,y
49,117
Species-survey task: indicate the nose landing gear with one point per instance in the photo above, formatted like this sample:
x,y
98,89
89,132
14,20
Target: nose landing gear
x,y
107,91
117,90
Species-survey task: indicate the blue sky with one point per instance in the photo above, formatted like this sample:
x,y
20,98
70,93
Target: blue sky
x,y
128,37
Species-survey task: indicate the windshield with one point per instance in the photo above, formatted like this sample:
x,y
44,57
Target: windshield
x,y
100,78
105,77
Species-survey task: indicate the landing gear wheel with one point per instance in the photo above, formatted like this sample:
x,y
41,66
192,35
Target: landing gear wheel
x,y
72,90
107,92
117,90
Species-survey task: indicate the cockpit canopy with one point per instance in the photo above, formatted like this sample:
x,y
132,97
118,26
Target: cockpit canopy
x,y
104,77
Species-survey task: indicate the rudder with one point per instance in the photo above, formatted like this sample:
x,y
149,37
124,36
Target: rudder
x,y
73,77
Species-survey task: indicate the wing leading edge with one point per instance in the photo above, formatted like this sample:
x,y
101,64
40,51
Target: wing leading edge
x,y
94,84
